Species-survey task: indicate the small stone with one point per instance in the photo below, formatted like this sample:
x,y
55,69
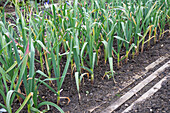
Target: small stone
x,y
151,110
91,94
126,105
108,95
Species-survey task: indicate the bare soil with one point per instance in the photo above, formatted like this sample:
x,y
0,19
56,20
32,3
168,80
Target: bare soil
x,y
105,90
159,102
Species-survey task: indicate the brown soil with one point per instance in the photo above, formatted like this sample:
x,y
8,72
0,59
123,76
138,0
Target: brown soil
x,y
145,89
103,90
159,102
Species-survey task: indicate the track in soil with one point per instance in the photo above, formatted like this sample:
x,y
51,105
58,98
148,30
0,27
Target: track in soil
x,y
143,74
158,103
136,94
148,94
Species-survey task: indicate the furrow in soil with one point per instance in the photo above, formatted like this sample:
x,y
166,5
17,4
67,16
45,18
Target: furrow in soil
x,y
151,67
146,95
135,89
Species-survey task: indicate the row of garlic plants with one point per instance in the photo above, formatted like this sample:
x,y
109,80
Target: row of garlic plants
x,y
73,31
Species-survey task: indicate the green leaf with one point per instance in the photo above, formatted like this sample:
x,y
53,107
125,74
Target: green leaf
x,y
15,63
46,85
24,103
119,38
22,71
42,45
111,65
52,104
8,98
77,80
31,71
82,51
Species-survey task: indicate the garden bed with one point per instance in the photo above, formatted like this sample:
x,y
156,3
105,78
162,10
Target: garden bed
x,y
97,96
103,91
